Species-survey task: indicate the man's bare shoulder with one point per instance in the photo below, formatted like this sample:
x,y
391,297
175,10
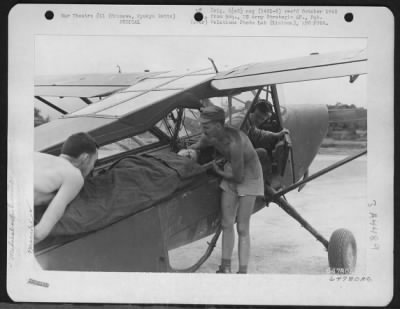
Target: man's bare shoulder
x,y
46,163
236,135
236,142
237,120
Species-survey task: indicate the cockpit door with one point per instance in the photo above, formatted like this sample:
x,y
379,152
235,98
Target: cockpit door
x,y
282,155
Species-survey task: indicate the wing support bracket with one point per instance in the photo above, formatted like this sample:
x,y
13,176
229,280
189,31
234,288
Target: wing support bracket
x,y
51,105
86,100
213,64
318,174
283,203
277,197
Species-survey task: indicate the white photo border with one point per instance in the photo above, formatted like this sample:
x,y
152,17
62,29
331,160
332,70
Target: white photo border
x,y
26,281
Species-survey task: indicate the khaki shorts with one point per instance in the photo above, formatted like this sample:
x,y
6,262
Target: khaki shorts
x,y
249,186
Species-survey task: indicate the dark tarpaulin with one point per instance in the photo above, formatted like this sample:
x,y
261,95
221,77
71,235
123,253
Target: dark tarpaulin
x,y
130,185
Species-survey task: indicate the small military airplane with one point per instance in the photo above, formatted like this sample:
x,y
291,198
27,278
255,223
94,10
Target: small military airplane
x,y
141,121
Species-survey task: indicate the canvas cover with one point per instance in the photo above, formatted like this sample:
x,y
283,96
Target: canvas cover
x,y
130,185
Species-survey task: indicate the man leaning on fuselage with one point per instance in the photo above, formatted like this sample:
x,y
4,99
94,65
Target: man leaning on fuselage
x,y
58,180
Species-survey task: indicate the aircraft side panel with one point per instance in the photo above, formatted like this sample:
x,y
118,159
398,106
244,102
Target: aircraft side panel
x,y
133,244
193,214
196,213
308,125
141,242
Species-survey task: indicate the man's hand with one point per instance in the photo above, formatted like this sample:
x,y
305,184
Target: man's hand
x,y
203,142
216,168
283,132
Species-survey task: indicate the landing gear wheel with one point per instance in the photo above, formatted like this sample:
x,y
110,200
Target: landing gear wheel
x,y
342,252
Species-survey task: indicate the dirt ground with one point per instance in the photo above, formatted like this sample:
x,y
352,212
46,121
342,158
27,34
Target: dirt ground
x,y
279,245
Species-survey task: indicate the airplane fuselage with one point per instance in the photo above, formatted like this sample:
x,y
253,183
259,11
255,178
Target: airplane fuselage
x,y
187,216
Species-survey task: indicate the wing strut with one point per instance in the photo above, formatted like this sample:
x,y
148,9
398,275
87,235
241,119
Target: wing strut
x,y
230,109
252,104
213,64
51,105
86,100
319,173
282,203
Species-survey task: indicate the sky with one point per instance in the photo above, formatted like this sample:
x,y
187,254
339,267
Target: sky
x,y
103,54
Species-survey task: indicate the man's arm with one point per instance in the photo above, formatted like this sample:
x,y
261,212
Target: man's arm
x,y
237,163
263,137
69,189
201,143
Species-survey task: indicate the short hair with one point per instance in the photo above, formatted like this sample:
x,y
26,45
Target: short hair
x,y
79,143
262,106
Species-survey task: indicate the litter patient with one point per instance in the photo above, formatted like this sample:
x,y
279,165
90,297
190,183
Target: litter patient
x,y
58,180
131,184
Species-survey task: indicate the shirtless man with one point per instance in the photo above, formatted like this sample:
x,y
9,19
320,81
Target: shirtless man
x,y
242,182
58,180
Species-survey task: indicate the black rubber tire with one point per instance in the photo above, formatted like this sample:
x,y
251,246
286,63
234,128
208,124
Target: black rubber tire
x,y
342,252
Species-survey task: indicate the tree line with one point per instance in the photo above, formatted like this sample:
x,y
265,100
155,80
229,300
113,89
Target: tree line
x,y
39,118
347,122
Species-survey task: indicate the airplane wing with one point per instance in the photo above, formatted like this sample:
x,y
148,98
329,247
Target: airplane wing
x,y
135,108
86,85
129,111
297,69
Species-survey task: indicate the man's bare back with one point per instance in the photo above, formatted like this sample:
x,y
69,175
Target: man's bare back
x,y
237,150
56,183
240,143
58,180
49,174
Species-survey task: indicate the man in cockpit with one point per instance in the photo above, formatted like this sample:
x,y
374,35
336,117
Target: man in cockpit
x,y
261,117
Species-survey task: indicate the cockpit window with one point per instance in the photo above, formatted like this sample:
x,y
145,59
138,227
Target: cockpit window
x,y
240,104
127,144
190,124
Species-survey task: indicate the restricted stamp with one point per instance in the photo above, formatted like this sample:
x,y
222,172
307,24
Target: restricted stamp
x,y
124,172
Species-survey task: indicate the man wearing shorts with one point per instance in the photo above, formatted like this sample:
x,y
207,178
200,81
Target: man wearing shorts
x,y
58,180
242,182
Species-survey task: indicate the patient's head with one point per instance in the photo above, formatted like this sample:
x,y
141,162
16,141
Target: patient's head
x,y
188,153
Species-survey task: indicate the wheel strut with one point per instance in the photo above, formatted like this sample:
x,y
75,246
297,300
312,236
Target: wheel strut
x,y
282,203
